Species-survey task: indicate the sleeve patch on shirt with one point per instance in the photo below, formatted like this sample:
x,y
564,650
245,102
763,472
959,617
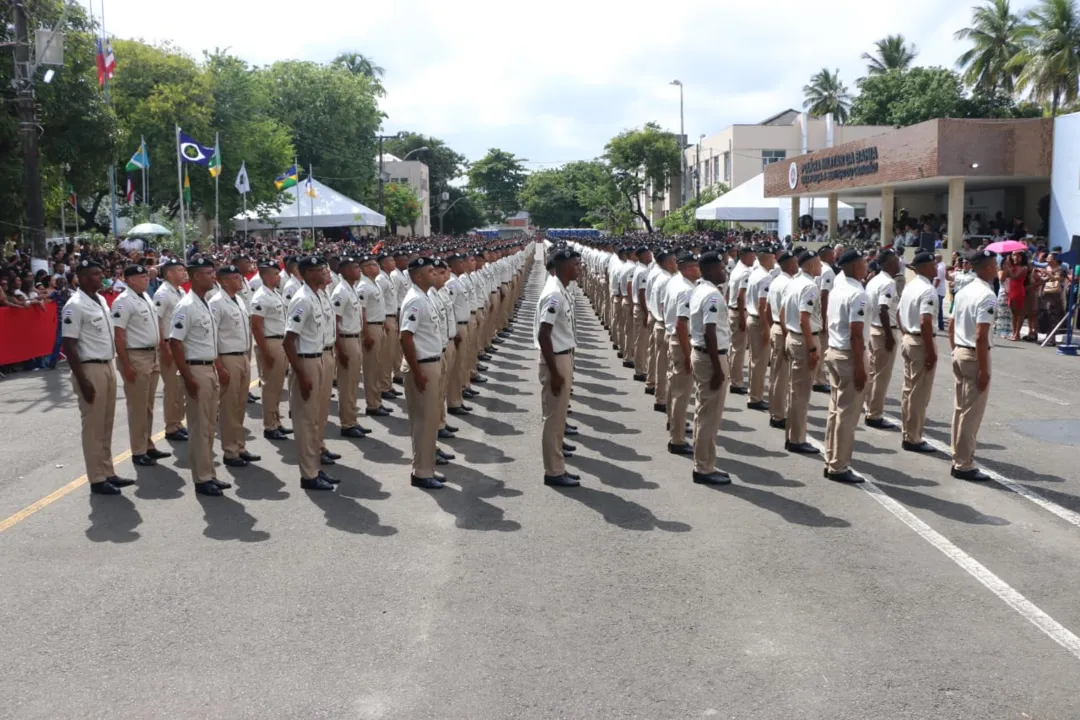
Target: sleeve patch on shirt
x,y
67,321
179,316
412,318
179,325
861,313
337,303
296,318
551,310
158,303
258,307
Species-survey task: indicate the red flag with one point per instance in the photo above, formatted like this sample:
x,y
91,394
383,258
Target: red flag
x,y
100,62
109,61
130,190
377,248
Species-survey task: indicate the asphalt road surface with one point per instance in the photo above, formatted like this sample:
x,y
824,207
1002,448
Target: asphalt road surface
x,y
638,595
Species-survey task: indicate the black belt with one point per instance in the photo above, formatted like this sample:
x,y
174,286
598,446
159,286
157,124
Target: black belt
x,y
705,350
234,354
437,358
349,335
375,323
200,362
309,356
146,349
463,323
93,362
328,348
964,347
565,352
274,337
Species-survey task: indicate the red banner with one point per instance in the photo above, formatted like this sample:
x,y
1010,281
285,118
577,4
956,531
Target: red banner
x,y
27,333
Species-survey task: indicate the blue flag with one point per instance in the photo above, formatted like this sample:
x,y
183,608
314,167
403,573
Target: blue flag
x,y
193,152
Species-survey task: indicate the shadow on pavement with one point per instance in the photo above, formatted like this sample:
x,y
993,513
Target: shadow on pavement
x,y
598,389
158,483
467,505
346,514
623,513
595,374
609,449
496,405
226,519
794,512
756,475
358,484
113,518
600,405
504,377
478,453
603,425
945,508
488,425
611,475
741,449
257,483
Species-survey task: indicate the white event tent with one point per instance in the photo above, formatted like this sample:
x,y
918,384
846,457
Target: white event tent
x,y
328,208
747,203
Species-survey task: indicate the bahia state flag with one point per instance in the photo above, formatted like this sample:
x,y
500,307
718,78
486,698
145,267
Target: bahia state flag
x,y
287,179
193,152
140,160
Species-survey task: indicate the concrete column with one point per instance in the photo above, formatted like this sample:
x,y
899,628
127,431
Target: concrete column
x,y
888,206
794,216
956,214
834,201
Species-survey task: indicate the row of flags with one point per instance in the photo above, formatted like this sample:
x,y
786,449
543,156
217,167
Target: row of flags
x,y
105,61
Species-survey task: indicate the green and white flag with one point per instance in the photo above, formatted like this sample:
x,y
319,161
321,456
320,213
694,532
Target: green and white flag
x,y
140,160
215,160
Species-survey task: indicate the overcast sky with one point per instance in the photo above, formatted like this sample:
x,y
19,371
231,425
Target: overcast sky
x,y
551,81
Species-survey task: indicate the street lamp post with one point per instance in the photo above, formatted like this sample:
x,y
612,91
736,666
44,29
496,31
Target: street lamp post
x,y
682,141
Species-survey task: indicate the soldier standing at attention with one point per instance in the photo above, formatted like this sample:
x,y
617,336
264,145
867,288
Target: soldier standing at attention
x,y
656,375
710,338
348,312
294,281
165,300
641,320
90,348
193,341
329,368
370,293
969,336
846,361
268,330
138,339
758,324
305,343
391,305
553,329
825,279
884,300
458,288
802,323
402,283
440,300
918,314
677,323
234,354
738,283
421,345
616,265
778,364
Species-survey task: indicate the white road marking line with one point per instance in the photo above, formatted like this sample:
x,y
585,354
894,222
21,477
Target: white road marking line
x,y
1046,398
1069,516
1027,609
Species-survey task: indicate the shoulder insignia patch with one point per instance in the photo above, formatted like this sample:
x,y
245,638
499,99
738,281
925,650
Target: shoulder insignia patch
x,y
258,307
179,326
67,321
551,310
861,313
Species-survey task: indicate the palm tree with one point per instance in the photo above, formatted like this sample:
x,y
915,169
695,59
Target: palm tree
x,y
826,94
1049,60
995,40
893,53
359,64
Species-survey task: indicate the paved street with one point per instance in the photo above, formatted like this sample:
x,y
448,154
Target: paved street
x,y
638,595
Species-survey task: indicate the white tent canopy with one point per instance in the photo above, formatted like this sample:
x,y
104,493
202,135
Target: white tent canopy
x,y
747,203
328,209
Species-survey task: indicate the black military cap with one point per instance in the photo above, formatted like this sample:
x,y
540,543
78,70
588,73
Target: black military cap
x,y
366,258
420,262
980,256
228,270
383,256
401,252
268,265
922,258
197,263
134,270
662,254
350,260
806,256
641,249
438,263
291,260
850,256
885,255
686,256
765,249
710,258
171,263
309,262
785,256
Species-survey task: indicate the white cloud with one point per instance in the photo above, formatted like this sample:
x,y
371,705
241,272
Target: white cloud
x,y
552,81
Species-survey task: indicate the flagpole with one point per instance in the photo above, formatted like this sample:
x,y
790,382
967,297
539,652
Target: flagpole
x,y
112,163
145,185
217,220
63,209
76,196
180,186
244,196
311,198
299,230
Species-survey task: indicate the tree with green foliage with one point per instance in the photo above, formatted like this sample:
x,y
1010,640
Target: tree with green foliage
x,y
1048,62
462,213
683,220
444,164
359,64
402,207
498,178
995,36
891,53
552,200
901,99
642,161
825,94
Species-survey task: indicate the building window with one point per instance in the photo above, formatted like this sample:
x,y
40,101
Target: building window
x,y
727,167
768,157
716,169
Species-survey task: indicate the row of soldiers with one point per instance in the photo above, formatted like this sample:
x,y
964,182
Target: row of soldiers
x,y
424,319
685,320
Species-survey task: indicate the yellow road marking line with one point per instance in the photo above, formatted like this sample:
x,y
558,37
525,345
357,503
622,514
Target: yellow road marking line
x,y
71,486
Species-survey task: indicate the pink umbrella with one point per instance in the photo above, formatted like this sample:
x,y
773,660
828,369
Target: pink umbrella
x,y
1007,246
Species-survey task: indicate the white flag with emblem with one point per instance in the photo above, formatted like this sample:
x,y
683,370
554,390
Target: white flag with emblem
x,y
242,184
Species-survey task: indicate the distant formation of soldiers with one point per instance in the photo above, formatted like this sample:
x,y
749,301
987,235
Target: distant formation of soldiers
x,y
425,319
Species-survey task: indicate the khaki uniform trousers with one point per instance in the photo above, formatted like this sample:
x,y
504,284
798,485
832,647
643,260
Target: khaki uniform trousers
x,y
449,361
710,409
472,353
737,355
459,370
202,419
305,415
329,370
423,409
845,404
641,339
970,404
273,381
918,385
391,355
507,307
679,384
879,373
373,366
799,387
233,403
650,372
174,395
778,373
616,321
348,376
139,396
554,409
629,329
820,374
659,335
97,420
756,340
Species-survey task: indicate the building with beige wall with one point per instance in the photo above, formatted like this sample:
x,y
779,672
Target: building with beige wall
x,y
416,175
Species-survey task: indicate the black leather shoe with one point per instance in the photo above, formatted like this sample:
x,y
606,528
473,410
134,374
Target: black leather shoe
x,y
572,476
426,483
451,428
713,478
486,358
561,481
568,447
571,427
919,447
628,363
481,367
738,390
802,448
440,461
497,340
275,435
252,398
660,407
439,452
684,449
780,424
467,394
846,477
158,454
570,432
222,485
143,461
490,350
972,475
388,395
567,454
250,457
650,390
880,424
104,488
399,381
615,346
119,481
284,430
377,412
467,408
352,432
176,436
208,488
438,476
457,410
316,483
479,379
388,411
822,389
445,434
640,377
327,459
236,462
397,393
757,405
327,478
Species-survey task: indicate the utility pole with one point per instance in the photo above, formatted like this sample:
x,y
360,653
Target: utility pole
x,y
28,130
